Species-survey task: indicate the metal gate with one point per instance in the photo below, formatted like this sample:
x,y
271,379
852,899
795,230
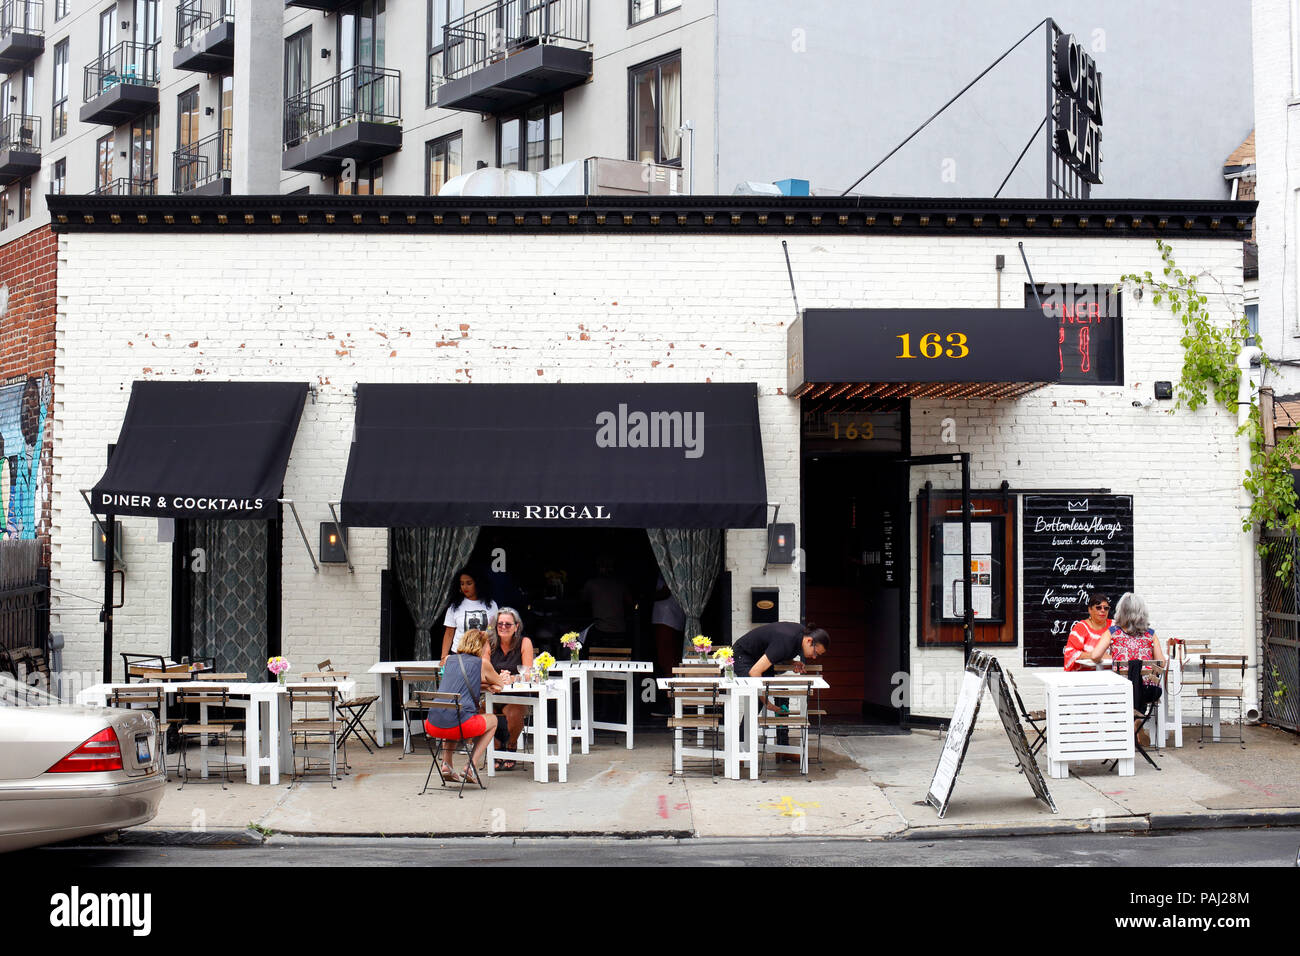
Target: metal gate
x,y
24,596
1280,670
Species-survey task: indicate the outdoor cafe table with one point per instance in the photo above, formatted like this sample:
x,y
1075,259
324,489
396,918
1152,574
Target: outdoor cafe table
x,y
1089,717
265,747
385,674
536,695
585,673
739,697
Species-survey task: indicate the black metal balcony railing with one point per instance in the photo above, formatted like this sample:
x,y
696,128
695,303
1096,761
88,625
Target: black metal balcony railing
x,y
128,187
366,94
127,63
22,16
490,33
21,132
196,17
202,162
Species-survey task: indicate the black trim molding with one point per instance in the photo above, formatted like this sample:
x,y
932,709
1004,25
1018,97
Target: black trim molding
x,y
710,215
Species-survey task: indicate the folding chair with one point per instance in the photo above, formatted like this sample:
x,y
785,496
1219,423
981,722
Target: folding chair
x,y
1031,717
702,696
353,710
407,679
1211,694
1135,669
318,718
796,719
433,700
206,728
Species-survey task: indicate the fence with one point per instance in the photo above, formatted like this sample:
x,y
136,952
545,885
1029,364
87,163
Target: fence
x,y
24,595
1280,666
490,33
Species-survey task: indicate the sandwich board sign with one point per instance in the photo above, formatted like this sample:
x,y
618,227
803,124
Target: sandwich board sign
x,y
982,671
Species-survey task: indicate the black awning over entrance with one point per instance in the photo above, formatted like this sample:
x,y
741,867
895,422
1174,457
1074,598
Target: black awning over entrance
x,y
608,455
921,353
202,450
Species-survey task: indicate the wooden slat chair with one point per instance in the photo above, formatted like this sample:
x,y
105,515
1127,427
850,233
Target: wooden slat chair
x,y
433,700
603,690
797,693
410,680
215,720
146,699
690,668
315,716
225,677
702,695
815,711
1209,694
353,709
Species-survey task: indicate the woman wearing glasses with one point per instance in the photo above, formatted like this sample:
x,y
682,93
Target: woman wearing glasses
x,y
511,653
1131,641
1086,633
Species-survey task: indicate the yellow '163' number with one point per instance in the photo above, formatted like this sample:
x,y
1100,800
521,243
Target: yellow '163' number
x,y
931,345
852,432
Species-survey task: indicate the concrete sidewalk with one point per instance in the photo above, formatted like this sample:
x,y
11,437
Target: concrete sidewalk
x,y
867,787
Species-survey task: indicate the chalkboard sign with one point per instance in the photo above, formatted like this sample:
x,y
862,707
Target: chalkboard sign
x,y
982,670
1071,546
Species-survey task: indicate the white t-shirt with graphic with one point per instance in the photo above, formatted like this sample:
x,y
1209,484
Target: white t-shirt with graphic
x,y
467,617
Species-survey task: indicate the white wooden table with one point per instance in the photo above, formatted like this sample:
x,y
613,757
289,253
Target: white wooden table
x,y
585,673
536,695
385,675
1089,717
266,748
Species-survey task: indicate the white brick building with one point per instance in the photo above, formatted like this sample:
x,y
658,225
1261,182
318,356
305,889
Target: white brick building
x,y
495,291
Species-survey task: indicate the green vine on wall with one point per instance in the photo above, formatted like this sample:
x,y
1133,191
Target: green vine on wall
x,y
1210,350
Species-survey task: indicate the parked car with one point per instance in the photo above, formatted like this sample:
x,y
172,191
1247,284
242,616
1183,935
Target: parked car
x,y
70,771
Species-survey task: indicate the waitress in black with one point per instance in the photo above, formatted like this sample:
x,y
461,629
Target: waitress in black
x,y
511,653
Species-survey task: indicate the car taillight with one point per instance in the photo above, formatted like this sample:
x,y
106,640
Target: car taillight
x,y
100,753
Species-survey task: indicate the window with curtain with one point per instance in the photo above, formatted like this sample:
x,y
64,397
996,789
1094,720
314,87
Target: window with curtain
x,y
227,121
59,177
144,136
369,181
444,161
297,63
103,161
59,118
24,199
656,111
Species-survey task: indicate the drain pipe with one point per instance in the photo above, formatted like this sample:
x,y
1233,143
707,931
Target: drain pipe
x,y
1247,362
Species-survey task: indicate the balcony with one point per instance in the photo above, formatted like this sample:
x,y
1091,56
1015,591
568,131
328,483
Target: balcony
x,y
20,147
205,36
504,55
356,116
326,5
121,85
22,33
128,187
203,168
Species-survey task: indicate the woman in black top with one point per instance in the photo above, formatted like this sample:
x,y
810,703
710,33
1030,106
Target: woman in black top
x,y
511,653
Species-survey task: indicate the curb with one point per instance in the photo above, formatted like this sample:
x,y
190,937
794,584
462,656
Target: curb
x,y
143,837
1226,819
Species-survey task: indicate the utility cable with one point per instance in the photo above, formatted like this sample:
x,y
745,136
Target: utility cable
x,y
1021,156
946,105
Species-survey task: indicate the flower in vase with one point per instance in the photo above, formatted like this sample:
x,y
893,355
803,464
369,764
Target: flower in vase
x,y
701,643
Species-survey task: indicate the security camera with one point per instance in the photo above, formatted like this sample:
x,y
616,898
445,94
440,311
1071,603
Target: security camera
x,y
1143,402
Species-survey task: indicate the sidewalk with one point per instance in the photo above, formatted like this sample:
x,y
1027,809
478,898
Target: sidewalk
x,y
867,787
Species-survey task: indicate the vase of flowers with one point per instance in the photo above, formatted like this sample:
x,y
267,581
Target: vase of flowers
x,y
279,666
543,662
571,642
726,657
702,646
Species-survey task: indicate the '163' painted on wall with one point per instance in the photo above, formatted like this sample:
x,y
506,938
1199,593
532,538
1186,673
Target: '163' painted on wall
x,y
24,406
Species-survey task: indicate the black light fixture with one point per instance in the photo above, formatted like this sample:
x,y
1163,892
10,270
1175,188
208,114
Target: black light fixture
x,y
207,111
324,53
333,539
97,541
126,24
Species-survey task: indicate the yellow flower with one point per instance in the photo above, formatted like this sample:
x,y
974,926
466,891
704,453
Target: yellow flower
x,y
700,641
544,660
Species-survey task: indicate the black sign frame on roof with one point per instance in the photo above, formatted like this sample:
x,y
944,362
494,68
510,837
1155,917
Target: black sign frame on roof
x,y
202,450
1070,545
613,455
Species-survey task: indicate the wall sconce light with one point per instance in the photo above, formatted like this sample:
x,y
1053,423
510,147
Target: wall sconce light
x,y
13,98
97,541
324,53
207,111
126,24
332,540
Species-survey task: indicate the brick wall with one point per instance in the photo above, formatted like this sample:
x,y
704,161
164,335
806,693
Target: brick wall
x,y
339,309
27,273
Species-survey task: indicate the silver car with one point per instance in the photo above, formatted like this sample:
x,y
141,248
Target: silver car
x,y
70,771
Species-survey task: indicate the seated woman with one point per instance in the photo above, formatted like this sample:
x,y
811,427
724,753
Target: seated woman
x,y
1086,633
465,673
1130,641
511,653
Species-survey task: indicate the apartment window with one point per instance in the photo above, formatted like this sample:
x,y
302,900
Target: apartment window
x,y
444,159
24,199
367,181
5,213
59,124
297,63
532,140
641,10
103,162
60,9
144,136
59,177
441,12
147,28
655,107
107,30
1252,323
227,120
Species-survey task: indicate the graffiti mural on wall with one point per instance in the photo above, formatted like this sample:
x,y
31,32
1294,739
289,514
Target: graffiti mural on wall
x,y
24,407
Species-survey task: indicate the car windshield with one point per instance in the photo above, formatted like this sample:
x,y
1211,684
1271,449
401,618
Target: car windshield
x,y
14,693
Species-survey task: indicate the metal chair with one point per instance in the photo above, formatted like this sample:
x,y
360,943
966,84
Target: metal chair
x,y
1031,717
433,700
407,680
1211,694
205,728
795,719
317,718
702,695
354,710
1134,673
814,702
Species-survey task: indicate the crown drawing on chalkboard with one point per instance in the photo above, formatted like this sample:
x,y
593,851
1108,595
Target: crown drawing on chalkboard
x,y
1076,505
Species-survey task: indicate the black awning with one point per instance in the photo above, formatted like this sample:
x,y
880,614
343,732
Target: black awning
x,y
202,450
921,353
615,456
